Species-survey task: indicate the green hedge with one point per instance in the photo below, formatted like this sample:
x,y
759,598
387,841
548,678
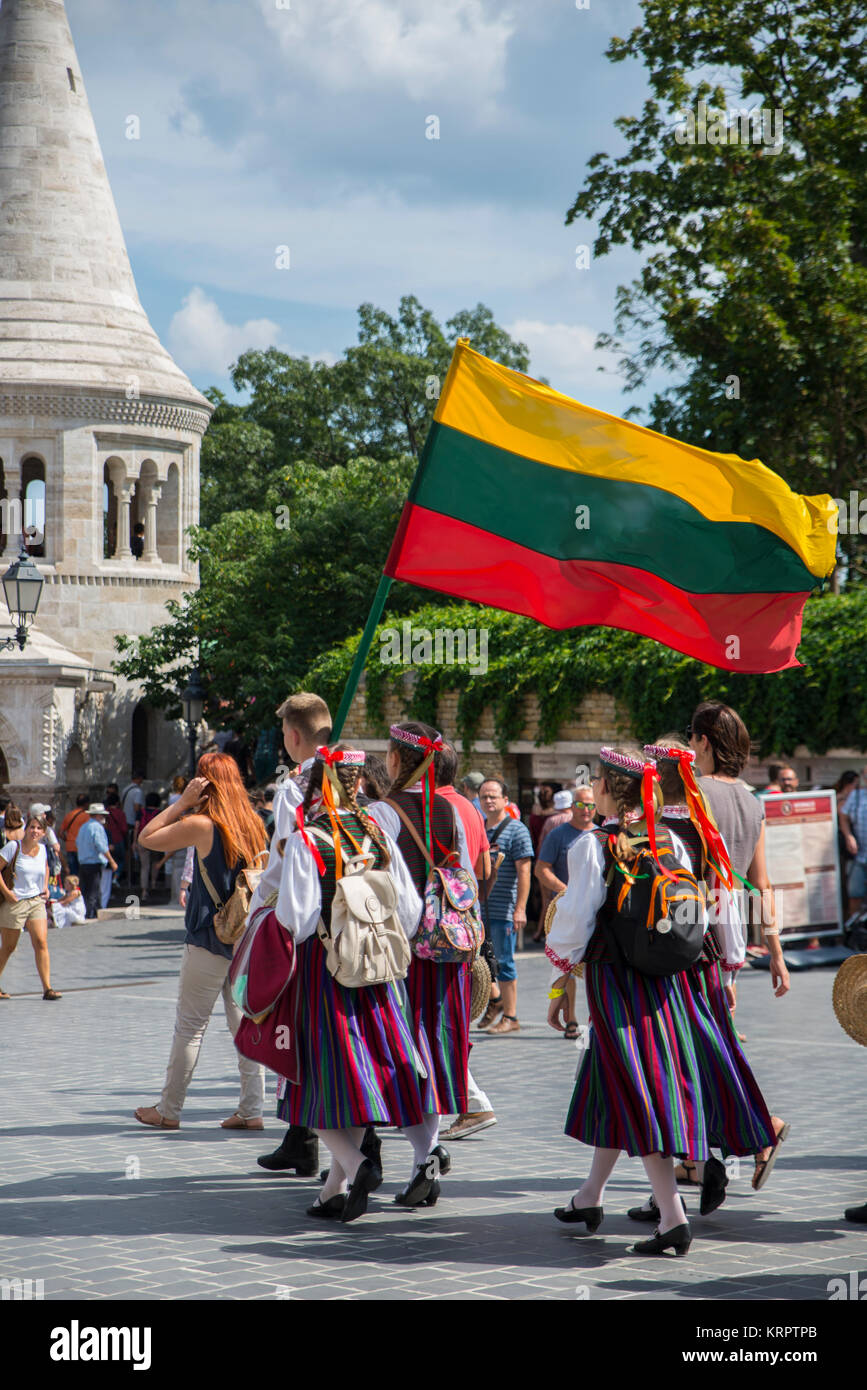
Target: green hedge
x,y
823,704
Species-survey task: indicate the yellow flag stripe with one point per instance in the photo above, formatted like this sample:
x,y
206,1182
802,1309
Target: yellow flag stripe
x,y
513,412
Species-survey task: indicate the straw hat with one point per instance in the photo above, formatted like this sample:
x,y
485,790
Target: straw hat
x,y
850,997
481,992
577,970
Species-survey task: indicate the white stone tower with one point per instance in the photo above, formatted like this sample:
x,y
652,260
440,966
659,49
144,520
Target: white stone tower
x,y
94,416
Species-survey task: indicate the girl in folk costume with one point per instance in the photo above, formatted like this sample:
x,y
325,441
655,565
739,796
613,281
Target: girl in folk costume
x,y
355,1059
439,994
738,1120
639,1085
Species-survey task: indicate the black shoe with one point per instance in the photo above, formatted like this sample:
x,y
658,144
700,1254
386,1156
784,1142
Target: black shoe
x,y
299,1150
422,1185
444,1158
858,1214
331,1210
432,1197
678,1239
371,1147
591,1216
713,1186
648,1213
367,1180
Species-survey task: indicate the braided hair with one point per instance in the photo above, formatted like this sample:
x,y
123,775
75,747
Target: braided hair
x,y
410,757
348,778
626,792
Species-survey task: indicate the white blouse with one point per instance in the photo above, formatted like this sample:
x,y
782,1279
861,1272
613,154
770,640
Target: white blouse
x,y
724,912
388,820
574,919
299,899
287,799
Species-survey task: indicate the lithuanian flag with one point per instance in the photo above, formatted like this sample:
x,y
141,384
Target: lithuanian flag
x,y
528,501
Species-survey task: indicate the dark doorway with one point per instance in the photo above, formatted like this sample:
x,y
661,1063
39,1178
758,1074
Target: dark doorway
x,y
140,730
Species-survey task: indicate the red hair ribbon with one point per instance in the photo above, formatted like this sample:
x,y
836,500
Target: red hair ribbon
x,y
648,775
299,821
425,772
714,845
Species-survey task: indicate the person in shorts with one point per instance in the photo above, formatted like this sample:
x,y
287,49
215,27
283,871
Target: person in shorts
x,y
23,906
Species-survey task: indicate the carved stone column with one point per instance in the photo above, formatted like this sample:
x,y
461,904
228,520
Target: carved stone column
x,y
122,549
152,496
13,510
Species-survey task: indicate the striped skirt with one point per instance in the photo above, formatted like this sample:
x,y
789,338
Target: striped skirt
x,y
639,1084
439,1001
737,1117
358,1061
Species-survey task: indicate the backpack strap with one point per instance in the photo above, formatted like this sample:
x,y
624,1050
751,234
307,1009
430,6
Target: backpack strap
x,y
411,828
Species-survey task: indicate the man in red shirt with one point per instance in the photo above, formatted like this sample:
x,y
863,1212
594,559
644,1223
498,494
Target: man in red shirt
x,y
72,823
481,1115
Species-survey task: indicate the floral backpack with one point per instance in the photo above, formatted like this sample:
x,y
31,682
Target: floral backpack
x,y
451,930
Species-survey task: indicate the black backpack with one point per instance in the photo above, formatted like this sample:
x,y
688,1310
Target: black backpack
x,y
654,909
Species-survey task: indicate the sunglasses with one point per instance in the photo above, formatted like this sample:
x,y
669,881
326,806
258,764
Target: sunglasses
x,y
588,805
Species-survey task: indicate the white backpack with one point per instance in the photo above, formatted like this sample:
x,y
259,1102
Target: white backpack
x,y
365,944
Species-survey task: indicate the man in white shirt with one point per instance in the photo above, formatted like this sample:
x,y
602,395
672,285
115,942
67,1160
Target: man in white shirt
x,y
306,725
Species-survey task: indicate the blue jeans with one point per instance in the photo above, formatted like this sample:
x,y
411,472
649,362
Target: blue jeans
x,y
503,936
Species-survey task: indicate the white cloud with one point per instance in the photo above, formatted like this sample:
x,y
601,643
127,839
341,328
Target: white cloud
x,y
564,353
202,340
426,47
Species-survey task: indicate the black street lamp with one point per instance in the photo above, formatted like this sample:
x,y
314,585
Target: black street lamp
x,y
22,585
193,701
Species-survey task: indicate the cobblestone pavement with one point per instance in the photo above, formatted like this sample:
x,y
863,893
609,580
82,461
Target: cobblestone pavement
x,y
97,1207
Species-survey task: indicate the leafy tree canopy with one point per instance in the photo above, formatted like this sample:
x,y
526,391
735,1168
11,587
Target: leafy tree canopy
x,y
822,704
755,281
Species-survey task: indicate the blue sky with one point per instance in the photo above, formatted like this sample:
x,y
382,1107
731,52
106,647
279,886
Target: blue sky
x,y
266,125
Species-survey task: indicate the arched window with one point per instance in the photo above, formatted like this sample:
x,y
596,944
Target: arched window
x,y
168,519
33,497
109,513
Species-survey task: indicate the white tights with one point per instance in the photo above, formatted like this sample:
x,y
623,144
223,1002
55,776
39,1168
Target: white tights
x,y
344,1145
423,1138
659,1170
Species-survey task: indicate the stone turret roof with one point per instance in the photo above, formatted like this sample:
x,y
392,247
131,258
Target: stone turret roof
x,y
70,314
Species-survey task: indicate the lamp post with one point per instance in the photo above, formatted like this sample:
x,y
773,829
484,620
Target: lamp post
x,y
22,586
193,701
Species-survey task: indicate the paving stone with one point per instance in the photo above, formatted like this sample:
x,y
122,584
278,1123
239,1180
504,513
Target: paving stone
x,y
198,1220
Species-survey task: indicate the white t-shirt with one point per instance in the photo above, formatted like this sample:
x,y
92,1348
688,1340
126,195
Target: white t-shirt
x,y
30,870
132,798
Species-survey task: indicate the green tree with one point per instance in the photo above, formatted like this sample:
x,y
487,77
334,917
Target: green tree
x,y
754,290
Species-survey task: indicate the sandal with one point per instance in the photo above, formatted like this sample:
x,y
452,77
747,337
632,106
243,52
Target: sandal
x,y
685,1174
159,1123
764,1165
237,1121
571,1034
52,994
4,995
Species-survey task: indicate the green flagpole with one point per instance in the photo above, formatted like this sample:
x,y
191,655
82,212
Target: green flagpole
x,y
386,581
354,677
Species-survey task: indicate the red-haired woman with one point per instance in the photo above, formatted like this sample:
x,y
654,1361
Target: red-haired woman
x,y
213,815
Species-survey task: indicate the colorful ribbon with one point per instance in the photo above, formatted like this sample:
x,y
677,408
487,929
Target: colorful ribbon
x,y
714,846
299,821
425,773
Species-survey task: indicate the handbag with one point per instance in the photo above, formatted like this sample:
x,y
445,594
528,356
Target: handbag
x,y
262,966
9,869
271,1041
230,917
